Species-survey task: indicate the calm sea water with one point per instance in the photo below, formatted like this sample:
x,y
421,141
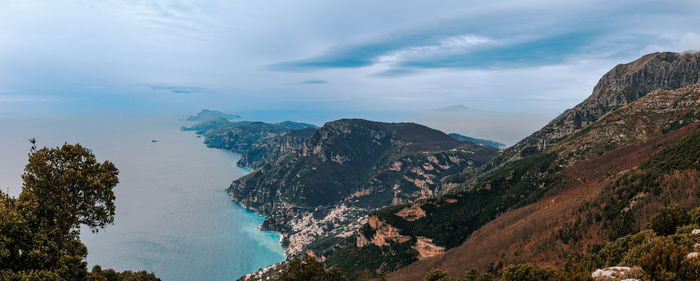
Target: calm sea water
x,y
173,216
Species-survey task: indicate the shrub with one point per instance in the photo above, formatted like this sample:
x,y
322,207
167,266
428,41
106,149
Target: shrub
x,y
667,219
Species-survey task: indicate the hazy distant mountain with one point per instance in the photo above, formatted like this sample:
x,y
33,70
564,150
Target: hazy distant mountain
x,y
454,108
207,114
490,143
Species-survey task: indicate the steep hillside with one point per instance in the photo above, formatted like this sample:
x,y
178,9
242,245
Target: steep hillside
x,y
348,168
258,142
271,149
620,86
596,205
519,184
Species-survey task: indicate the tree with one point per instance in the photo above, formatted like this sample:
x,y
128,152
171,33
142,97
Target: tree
x,y
695,216
309,269
667,219
70,187
667,260
438,275
64,187
471,275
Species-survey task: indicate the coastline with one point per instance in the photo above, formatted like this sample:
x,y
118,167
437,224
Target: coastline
x,y
246,170
251,211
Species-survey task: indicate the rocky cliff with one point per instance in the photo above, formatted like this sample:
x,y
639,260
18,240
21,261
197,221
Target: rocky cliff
x,y
622,85
270,149
258,142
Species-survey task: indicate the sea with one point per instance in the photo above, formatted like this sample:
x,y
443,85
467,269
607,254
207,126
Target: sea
x,y
173,215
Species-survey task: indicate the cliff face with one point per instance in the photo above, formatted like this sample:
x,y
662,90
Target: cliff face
x,y
270,149
347,168
622,85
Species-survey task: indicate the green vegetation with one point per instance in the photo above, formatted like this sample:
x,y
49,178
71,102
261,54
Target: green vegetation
x,y
373,258
517,272
309,269
667,220
650,256
64,188
645,185
503,190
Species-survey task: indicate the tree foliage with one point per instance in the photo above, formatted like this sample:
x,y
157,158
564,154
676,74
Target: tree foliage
x,y
70,187
64,187
309,269
667,219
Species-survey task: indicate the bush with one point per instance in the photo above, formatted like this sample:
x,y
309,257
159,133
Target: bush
x,y
438,275
667,261
309,269
667,219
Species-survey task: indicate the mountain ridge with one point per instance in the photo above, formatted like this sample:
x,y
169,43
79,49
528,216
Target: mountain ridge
x,y
621,85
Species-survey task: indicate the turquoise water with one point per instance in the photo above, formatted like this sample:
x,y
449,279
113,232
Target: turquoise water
x,y
173,216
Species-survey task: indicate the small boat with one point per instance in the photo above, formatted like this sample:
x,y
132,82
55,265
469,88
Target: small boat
x,y
154,140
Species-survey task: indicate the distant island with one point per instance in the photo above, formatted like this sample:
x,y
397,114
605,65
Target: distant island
x,y
454,108
207,114
490,143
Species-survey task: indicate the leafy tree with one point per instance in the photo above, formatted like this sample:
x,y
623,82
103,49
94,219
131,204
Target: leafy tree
x,y
667,219
438,275
64,187
471,275
695,216
98,274
486,276
70,187
524,272
309,269
667,261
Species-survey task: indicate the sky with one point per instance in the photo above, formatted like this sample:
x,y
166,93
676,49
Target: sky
x,y
512,60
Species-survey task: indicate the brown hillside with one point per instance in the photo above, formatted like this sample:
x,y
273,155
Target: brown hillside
x,y
533,233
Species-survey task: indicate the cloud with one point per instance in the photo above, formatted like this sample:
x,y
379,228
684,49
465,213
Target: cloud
x,y
17,98
690,41
179,89
314,82
442,48
517,36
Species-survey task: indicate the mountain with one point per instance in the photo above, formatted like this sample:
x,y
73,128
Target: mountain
x,y
271,149
258,142
589,180
622,85
207,114
592,185
630,163
347,168
490,143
